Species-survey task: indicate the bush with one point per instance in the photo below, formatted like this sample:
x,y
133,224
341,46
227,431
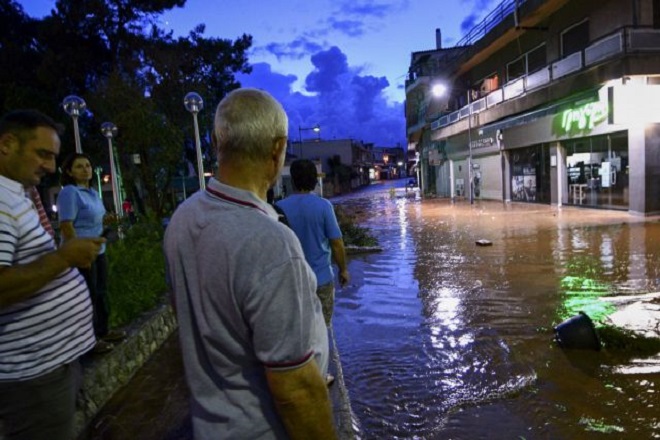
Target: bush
x,y
136,278
353,234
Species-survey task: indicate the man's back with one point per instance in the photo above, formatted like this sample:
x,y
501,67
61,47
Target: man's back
x,y
245,301
312,219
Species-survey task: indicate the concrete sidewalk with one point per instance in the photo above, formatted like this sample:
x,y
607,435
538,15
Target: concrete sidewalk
x,y
154,404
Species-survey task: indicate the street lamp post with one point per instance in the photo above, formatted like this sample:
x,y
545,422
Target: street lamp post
x,y
98,171
439,90
74,105
470,170
316,129
194,104
109,130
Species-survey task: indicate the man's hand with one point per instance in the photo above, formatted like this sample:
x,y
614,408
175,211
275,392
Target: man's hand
x,y
344,277
81,252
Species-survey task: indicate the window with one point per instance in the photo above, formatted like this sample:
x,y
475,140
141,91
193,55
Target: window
x,y
516,69
536,59
575,38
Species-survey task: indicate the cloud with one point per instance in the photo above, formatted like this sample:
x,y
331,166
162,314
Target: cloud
x,y
370,8
352,28
345,103
296,49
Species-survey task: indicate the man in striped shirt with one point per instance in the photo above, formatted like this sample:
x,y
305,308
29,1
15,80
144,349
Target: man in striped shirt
x,y
45,310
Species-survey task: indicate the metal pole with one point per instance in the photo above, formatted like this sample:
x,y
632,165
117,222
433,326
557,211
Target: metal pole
x,y
113,175
76,133
98,181
470,172
198,147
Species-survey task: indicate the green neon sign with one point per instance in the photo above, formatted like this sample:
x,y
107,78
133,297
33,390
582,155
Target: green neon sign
x,y
584,117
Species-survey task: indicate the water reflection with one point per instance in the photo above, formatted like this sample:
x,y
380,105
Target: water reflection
x,y
441,338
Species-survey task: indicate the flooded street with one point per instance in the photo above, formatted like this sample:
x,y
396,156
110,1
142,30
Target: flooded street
x,y
443,339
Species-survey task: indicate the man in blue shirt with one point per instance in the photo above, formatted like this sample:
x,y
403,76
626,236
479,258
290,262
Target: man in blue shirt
x,y
313,220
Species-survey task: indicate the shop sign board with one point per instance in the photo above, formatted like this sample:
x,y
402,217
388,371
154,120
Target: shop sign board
x,y
583,118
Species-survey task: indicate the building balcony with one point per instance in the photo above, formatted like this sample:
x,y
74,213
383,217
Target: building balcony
x,y
612,49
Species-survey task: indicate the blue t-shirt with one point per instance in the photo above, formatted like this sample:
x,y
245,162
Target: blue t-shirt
x,y
84,208
313,220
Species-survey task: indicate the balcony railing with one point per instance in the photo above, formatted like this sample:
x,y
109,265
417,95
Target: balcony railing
x,y
626,40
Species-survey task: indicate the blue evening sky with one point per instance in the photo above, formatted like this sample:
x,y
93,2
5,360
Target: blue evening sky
x,y
337,63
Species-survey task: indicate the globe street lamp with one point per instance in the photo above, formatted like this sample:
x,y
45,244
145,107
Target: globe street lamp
x,y
194,104
74,105
316,129
109,130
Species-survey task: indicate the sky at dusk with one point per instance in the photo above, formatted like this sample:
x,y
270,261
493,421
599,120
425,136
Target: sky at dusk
x,y
341,64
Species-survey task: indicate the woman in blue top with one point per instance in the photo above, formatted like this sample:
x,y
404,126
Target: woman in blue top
x,y
81,214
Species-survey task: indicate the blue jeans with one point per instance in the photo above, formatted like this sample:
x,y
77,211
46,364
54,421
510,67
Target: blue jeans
x,y
97,282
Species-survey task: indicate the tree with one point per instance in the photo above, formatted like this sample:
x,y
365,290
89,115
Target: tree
x,y
113,54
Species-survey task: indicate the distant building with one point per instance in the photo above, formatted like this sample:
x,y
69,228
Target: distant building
x,y
345,163
546,101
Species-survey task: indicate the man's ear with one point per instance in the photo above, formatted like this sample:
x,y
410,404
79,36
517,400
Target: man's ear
x,y
8,141
278,147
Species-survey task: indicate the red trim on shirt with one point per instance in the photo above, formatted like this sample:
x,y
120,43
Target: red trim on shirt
x,y
289,364
231,199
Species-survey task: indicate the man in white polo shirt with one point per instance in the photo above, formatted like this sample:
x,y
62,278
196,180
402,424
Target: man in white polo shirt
x,y
45,310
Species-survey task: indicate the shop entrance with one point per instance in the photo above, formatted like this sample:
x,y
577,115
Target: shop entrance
x,y
597,171
530,174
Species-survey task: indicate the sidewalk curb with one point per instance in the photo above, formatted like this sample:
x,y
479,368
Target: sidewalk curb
x,y
103,375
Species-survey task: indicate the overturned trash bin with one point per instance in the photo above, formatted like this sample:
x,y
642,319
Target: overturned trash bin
x,y
577,332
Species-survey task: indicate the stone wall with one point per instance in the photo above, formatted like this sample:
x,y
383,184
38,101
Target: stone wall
x,y
104,374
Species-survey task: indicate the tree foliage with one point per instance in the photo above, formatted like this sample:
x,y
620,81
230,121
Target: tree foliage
x,y
114,55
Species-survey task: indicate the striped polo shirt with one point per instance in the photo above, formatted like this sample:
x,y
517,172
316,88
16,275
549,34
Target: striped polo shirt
x,y
54,326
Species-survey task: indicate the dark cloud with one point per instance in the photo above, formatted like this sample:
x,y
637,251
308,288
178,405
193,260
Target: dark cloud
x,y
366,9
346,104
329,66
468,23
296,49
352,28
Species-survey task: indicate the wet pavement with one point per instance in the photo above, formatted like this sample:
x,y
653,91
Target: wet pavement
x,y
442,339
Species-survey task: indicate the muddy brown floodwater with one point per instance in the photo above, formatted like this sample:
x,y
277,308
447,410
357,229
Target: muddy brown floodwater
x,y
443,339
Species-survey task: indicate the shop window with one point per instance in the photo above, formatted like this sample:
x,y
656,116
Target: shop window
x,y
575,38
597,171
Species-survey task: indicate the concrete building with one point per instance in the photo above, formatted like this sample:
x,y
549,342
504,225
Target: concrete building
x,y
345,163
546,101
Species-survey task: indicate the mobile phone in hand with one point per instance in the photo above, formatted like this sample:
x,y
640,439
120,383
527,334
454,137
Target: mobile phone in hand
x,y
106,232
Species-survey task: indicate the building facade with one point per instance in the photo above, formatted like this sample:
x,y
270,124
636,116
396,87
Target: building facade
x,y
547,101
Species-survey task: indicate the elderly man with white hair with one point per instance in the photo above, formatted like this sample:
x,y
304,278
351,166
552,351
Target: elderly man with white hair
x,y
254,341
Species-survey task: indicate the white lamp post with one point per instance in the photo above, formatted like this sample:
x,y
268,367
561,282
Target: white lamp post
x,y
439,90
109,130
74,105
194,104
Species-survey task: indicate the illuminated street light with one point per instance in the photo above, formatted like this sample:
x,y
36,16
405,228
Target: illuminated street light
x,y
109,130
194,104
439,90
74,106
316,129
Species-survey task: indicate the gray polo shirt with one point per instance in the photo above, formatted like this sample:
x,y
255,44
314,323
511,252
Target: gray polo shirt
x,y
245,299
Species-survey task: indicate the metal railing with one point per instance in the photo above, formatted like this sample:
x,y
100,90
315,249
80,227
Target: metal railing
x,y
625,40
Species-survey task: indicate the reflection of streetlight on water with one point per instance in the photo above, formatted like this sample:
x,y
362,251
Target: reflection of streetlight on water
x,y
74,105
109,130
440,90
194,104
